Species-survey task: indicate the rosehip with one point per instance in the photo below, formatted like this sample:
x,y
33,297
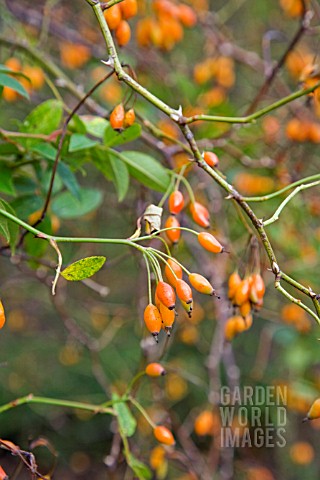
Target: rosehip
x,y
129,8
209,242
233,283
201,284
152,320
176,202
113,16
177,270
163,435
2,315
184,291
117,117
211,159
174,234
242,292
155,370
166,295
129,118
200,214
123,33
168,317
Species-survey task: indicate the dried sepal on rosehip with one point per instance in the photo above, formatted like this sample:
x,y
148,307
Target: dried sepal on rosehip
x,y
163,435
155,370
152,319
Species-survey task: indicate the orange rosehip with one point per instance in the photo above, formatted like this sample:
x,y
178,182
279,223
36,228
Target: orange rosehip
x,y
186,15
163,435
200,214
174,234
166,295
2,315
152,320
211,159
172,265
233,283
242,292
168,317
113,16
184,291
201,284
204,423
129,118
117,117
129,8
123,33
155,370
176,202
209,242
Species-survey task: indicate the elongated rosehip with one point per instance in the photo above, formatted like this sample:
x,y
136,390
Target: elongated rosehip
x,y
168,317
113,16
166,295
314,411
163,435
176,202
200,214
201,284
258,284
177,270
129,8
211,159
2,315
184,291
204,423
129,118
209,242
174,234
152,319
242,292
233,283
3,475
123,33
245,309
155,370
117,116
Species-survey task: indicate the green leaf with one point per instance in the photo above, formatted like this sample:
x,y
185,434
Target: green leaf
x,y
95,125
112,138
140,469
77,125
120,175
80,142
65,205
9,229
84,268
45,119
127,422
45,150
146,170
6,184
7,81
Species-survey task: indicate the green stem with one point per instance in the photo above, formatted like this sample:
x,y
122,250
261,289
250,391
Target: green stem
x,y
254,116
167,193
155,264
187,185
159,254
276,214
142,411
180,175
283,190
57,403
149,277
133,382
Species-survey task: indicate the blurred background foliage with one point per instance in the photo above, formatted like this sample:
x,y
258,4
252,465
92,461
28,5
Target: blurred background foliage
x,y
90,340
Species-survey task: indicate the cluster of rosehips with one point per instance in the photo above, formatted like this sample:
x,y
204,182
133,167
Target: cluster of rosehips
x,y
244,294
120,119
116,18
161,315
165,28
300,130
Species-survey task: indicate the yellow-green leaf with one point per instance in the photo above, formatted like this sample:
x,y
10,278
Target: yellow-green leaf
x,y
84,268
